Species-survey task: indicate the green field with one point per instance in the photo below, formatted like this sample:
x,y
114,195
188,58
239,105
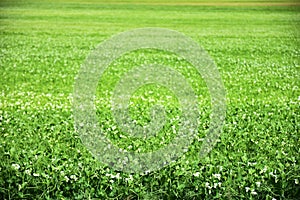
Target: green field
x,y
255,45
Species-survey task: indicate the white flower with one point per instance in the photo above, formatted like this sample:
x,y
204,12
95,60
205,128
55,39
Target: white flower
x,y
197,174
147,172
247,189
16,166
274,199
117,176
66,178
258,184
299,98
296,181
253,192
207,185
218,176
251,164
284,153
27,171
130,178
264,170
73,177
36,174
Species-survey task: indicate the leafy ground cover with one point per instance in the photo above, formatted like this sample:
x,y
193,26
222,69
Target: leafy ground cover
x,y
256,49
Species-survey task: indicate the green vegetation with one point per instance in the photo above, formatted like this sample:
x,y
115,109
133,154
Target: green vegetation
x,y
256,49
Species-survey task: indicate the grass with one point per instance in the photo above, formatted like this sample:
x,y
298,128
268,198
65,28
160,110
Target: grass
x,y
256,49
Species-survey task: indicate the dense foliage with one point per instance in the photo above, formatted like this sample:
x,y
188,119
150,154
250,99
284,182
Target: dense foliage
x,y
256,49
